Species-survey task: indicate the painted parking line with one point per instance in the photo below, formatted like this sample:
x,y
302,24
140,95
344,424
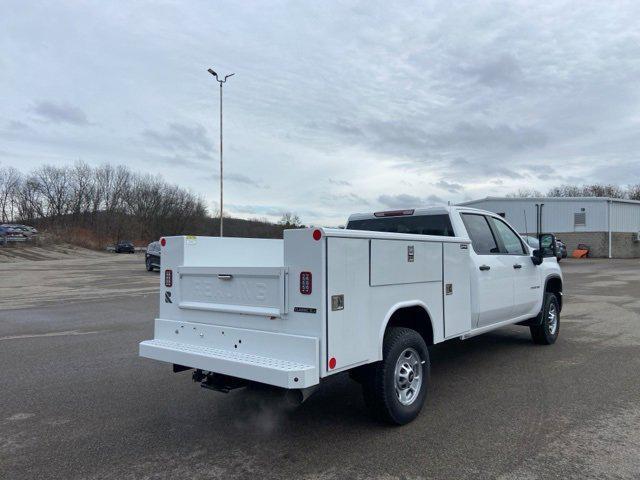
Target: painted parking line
x,y
50,334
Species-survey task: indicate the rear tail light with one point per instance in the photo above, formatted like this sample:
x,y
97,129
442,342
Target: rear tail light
x,y
305,283
168,278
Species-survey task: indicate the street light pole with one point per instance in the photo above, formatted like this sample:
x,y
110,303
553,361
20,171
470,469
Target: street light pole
x,y
221,164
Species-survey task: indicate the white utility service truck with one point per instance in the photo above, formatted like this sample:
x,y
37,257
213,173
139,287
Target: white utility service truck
x,y
369,299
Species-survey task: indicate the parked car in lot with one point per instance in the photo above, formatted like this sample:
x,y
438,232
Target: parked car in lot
x,y
368,300
152,256
561,248
533,242
14,233
23,229
124,246
4,232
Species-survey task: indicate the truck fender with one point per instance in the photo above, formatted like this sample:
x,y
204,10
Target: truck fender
x,y
537,320
555,277
394,309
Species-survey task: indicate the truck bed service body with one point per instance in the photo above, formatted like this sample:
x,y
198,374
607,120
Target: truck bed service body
x,y
369,299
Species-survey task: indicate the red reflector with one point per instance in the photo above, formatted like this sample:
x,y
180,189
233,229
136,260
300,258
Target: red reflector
x,y
394,213
317,234
168,278
332,363
163,242
305,283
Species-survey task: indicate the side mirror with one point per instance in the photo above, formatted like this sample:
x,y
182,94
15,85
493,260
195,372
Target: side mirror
x,y
548,244
537,257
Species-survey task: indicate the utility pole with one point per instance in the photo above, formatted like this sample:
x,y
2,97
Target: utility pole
x,y
221,170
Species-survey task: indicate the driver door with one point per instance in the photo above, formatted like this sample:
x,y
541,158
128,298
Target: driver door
x,y
526,281
492,292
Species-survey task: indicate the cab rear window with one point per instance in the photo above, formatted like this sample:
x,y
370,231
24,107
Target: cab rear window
x,y
417,224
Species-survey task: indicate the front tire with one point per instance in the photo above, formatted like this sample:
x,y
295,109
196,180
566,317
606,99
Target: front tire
x,y
396,387
149,265
546,333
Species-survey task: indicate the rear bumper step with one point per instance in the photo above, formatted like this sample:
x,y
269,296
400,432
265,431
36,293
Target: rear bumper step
x,y
272,371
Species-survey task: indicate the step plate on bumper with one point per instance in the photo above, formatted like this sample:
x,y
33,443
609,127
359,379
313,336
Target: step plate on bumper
x,y
272,371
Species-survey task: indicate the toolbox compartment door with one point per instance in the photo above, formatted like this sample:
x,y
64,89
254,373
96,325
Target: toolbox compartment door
x,y
395,262
244,290
348,335
457,289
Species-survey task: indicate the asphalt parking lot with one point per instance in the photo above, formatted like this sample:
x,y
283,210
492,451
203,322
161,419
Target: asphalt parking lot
x,y
77,401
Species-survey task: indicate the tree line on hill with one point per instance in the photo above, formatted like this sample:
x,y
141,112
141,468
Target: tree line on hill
x,y
100,205
631,192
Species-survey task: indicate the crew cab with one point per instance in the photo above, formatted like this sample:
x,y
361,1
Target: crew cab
x,y
369,300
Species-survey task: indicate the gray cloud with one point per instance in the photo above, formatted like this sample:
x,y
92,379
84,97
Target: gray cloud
x,y
269,210
492,137
342,183
257,209
16,125
503,70
181,138
418,145
506,96
408,201
240,178
60,113
349,198
449,186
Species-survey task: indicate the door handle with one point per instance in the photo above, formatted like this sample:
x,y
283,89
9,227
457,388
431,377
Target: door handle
x,y
517,265
225,276
485,267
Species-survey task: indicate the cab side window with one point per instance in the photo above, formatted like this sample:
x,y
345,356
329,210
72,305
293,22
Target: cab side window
x,y
510,240
480,234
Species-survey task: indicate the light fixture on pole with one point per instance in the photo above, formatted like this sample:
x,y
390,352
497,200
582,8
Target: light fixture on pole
x,y
221,184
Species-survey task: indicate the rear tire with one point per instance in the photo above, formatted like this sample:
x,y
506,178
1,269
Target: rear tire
x,y
396,388
546,333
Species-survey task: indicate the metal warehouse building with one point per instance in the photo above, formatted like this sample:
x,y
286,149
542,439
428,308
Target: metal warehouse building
x,y
609,226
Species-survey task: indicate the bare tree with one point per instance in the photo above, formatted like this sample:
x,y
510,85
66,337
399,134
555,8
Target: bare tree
x,y
10,179
109,203
82,187
30,202
565,191
601,190
633,192
525,192
290,220
53,183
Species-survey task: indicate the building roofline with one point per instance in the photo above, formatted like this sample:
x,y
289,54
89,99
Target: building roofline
x,y
551,199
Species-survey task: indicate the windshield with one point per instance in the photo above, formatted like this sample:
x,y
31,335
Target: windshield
x,y
418,224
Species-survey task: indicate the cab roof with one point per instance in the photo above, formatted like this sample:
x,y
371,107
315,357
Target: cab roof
x,y
427,210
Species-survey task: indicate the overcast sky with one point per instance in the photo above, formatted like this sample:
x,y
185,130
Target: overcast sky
x,y
335,107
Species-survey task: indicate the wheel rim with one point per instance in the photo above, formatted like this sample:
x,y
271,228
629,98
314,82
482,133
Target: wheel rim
x,y
552,319
408,376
